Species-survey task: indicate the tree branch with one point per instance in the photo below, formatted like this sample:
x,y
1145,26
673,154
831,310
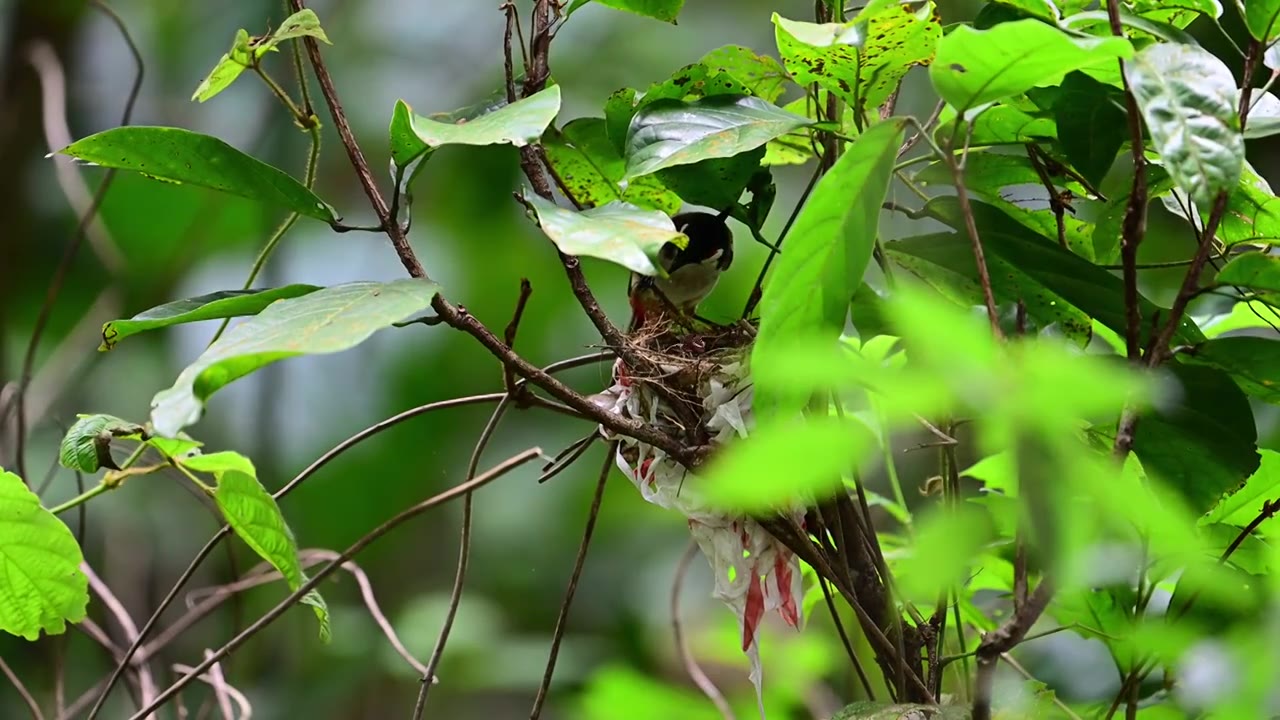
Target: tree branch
x,y
1002,640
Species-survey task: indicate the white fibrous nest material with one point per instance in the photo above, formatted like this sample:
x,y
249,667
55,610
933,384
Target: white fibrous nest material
x,y
754,573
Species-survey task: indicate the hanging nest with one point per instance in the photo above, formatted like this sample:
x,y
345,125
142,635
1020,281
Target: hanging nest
x,y
701,391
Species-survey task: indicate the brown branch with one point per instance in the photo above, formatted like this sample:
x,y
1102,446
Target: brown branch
x,y
147,687
1002,640
1055,202
1246,78
25,694
562,619
699,677
400,518
971,227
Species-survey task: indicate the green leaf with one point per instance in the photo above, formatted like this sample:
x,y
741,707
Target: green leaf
x,y
1253,362
222,304
87,445
590,168
667,133
234,62
256,518
945,546
664,10
181,156
246,51
220,462
761,473
1091,125
811,287
1252,214
1178,13
1003,125
1243,504
975,67
617,232
1264,116
898,39
303,23
41,584
1254,270
715,182
1243,315
689,82
1260,16
325,321
1203,441
761,74
1187,97
414,137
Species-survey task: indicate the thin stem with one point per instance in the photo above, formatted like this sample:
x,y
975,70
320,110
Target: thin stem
x,y
82,498
294,110
562,619
23,692
212,658
699,677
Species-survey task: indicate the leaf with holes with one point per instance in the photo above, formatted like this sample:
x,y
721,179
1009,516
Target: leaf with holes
x,y
814,281
41,585
617,232
976,67
898,39
87,444
1187,97
325,321
181,156
668,133
760,74
256,519
591,169
826,54
222,304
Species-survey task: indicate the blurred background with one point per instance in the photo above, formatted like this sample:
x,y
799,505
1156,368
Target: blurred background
x,y
157,242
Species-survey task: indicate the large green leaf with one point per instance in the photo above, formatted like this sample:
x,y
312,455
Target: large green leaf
x,y
1002,125
667,133
87,444
898,39
617,232
1187,97
761,473
761,74
975,67
830,245
41,585
181,156
256,519
1098,293
1203,441
1253,362
413,136
1243,504
664,10
222,304
325,321
1255,270
245,51
1261,18
1091,125
590,168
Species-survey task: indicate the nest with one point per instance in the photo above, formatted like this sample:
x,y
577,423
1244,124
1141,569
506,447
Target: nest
x,y
699,388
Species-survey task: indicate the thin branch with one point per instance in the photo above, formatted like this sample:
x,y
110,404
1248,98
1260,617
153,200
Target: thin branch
x,y
1055,202
68,254
368,539
222,691
1002,640
113,605
562,620
699,677
844,640
25,694
979,257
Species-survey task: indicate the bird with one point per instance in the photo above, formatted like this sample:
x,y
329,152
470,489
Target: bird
x,y
691,272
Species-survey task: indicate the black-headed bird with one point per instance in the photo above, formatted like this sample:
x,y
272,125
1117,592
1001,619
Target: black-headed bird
x,y
692,271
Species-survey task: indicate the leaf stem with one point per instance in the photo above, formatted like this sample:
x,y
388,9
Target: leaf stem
x,y
83,497
305,121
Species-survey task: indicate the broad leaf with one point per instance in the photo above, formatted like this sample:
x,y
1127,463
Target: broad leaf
x,y
945,545
220,462
41,585
826,54
1091,125
1002,125
1204,442
256,518
591,169
181,156
715,182
1243,504
1252,214
667,133
325,321
1254,270
87,445
664,10
760,74
1264,116
975,67
617,232
761,473
245,51
830,245
222,304
690,82
1253,362
413,136
1262,18
898,39
1187,97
